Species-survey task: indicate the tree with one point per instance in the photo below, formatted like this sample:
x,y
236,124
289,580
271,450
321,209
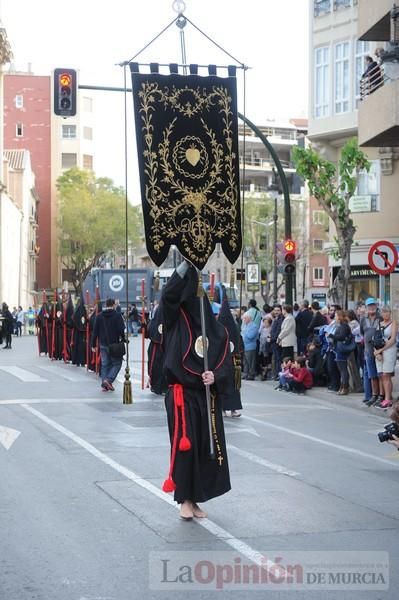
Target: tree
x,y
91,222
333,187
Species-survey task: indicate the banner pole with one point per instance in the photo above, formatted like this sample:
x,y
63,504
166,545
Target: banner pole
x,y
205,353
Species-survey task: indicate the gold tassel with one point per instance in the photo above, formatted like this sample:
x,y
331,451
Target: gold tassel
x,y
237,371
127,388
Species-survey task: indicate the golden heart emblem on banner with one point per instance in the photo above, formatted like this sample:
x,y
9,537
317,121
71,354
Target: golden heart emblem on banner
x,y
193,155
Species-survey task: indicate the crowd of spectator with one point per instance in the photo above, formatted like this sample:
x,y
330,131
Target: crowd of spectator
x,y
305,345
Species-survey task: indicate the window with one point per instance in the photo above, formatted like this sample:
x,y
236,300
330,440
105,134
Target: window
x,y
69,131
19,101
321,7
341,73
361,51
367,194
321,82
319,217
87,162
318,273
341,4
19,130
87,133
87,104
318,245
68,160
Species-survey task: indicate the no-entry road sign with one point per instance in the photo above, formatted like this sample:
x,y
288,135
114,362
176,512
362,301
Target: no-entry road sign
x,y
383,257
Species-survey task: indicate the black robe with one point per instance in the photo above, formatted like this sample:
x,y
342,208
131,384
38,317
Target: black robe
x,y
57,334
79,334
42,328
155,353
193,474
231,395
68,330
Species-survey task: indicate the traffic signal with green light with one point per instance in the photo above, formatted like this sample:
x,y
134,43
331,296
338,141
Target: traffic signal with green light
x,y
289,257
65,90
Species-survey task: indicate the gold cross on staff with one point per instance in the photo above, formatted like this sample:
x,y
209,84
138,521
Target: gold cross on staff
x,y
220,460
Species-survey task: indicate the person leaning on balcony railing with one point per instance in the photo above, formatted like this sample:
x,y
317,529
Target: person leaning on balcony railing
x,y
373,75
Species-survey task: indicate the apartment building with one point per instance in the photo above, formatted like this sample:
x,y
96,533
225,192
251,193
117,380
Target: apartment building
x,y
342,35
54,144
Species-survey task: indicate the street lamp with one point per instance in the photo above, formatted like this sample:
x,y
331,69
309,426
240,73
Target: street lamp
x,y
274,192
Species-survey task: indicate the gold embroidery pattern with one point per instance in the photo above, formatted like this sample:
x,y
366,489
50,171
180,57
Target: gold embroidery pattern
x,y
199,215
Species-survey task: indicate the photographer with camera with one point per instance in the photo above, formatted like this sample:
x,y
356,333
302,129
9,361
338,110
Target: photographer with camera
x,y
391,431
373,390
385,352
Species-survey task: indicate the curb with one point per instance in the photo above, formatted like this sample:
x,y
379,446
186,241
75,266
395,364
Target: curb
x,y
351,400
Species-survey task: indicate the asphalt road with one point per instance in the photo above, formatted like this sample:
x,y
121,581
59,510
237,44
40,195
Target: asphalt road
x,y
82,515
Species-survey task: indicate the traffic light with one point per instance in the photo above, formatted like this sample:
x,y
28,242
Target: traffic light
x,y
289,257
65,89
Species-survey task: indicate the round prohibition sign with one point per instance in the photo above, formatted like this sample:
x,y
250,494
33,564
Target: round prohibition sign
x,y
383,257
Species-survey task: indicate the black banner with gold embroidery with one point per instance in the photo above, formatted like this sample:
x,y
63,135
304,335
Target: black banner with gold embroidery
x,y
187,140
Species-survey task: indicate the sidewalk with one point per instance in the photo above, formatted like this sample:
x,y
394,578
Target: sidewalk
x,y
352,400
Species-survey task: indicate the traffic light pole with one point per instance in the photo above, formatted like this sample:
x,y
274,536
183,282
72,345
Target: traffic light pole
x,y
289,277
275,271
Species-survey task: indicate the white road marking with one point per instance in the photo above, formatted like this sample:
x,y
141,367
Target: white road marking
x,y
8,436
219,532
320,441
106,398
261,461
249,430
63,373
23,374
283,405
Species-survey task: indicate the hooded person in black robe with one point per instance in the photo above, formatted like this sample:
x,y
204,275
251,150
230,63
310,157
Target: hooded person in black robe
x,y
157,381
231,395
42,328
194,475
79,334
58,324
68,330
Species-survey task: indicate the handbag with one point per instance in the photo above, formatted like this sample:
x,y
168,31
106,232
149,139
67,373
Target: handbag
x,y
116,349
378,339
346,346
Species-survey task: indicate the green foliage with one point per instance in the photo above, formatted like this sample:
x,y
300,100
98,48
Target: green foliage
x,y
333,187
91,221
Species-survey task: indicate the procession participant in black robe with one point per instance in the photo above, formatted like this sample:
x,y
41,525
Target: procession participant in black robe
x,y
68,330
50,323
79,334
231,395
193,475
157,381
8,325
42,328
92,356
58,331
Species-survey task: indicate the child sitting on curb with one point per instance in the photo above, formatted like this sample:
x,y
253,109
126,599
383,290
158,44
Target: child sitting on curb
x,y
301,379
285,374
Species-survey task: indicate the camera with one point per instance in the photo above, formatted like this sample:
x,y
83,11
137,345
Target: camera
x,y
390,430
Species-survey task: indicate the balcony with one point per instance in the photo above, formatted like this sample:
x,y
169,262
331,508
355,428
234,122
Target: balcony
x,y
262,164
374,20
379,116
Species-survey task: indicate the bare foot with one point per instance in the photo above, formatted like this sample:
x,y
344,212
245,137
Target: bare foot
x,y
186,510
198,512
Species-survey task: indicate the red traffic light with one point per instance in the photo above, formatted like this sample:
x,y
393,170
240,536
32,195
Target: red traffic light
x,y
65,92
290,246
65,79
